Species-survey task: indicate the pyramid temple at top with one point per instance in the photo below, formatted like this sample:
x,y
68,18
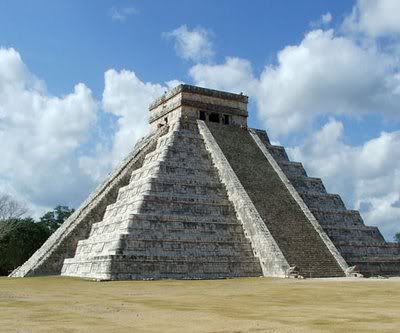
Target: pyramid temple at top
x,y
204,196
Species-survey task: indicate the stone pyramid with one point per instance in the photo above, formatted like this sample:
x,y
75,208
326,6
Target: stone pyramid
x,y
203,196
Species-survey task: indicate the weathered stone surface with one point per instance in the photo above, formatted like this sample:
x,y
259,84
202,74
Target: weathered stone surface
x,y
203,200
173,220
298,238
360,245
272,260
48,260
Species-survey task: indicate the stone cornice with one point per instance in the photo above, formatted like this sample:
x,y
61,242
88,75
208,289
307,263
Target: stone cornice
x,y
199,91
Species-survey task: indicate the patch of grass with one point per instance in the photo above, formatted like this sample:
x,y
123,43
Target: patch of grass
x,y
58,304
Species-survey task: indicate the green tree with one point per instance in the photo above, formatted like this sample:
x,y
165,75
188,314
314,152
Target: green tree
x,y
19,239
397,237
53,219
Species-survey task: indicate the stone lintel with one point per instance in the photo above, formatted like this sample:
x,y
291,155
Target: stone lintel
x,y
198,105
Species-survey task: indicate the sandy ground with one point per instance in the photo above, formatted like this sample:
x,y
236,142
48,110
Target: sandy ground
x,y
57,304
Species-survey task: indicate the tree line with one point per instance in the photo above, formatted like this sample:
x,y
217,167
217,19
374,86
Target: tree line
x,y
21,236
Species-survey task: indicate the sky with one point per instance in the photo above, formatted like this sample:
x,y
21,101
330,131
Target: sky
x,y
323,78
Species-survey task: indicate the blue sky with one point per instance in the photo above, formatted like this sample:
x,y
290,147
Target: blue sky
x,y
66,42
323,79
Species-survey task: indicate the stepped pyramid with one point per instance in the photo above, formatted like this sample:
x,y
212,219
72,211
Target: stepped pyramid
x,y
203,196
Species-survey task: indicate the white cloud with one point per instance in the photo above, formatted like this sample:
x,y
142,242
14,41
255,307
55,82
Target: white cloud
x,y
376,18
192,44
173,83
235,75
122,13
40,135
324,20
326,74
128,98
46,159
367,176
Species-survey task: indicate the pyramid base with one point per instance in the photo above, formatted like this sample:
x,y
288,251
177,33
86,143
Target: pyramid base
x,y
125,268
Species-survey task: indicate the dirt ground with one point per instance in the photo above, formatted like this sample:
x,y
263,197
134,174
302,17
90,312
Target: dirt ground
x,y
58,304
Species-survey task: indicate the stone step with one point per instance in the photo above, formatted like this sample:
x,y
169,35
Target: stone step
x,y
157,155
328,216
175,185
262,134
128,246
183,138
305,185
359,233
179,149
178,155
92,247
184,208
124,268
209,199
204,165
168,198
278,153
355,248
200,153
173,168
162,175
218,227
182,134
292,169
170,217
189,159
182,218
184,235
323,201
107,227
177,234
219,237
197,210
377,266
172,244
371,259
166,226
180,259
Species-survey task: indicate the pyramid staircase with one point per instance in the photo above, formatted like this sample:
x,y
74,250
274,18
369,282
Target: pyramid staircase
x,y
360,245
298,240
173,220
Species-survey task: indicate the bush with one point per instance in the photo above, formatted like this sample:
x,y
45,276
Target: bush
x,y
19,239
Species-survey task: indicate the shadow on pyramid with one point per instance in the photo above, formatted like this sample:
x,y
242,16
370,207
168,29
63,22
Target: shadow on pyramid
x,y
205,197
